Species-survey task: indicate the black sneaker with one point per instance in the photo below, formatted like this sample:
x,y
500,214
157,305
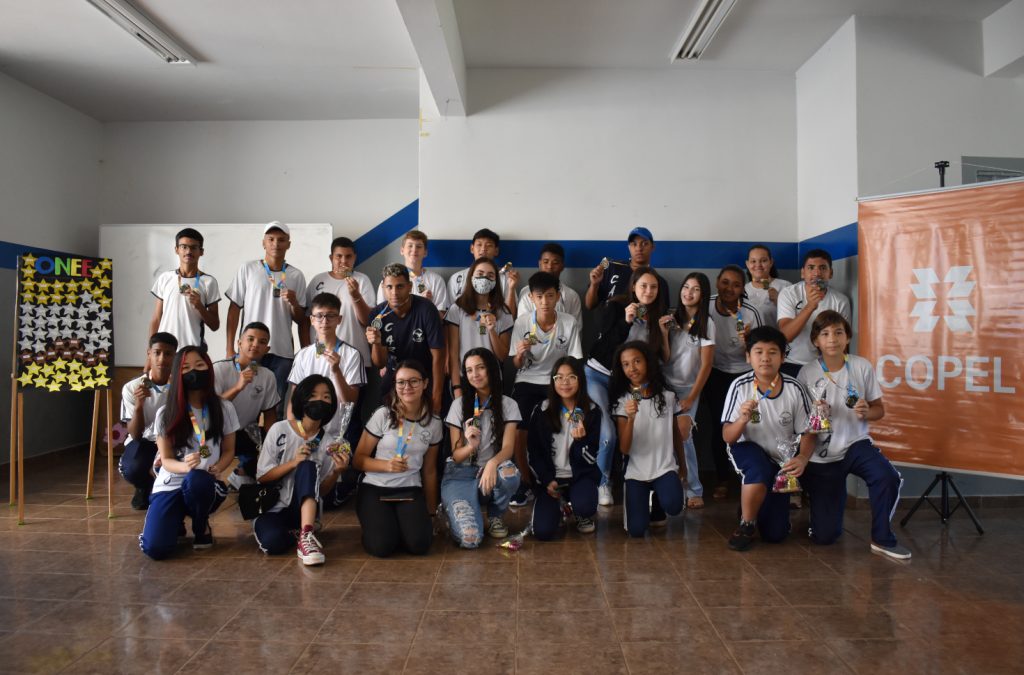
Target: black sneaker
x,y
521,498
204,541
743,538
140,500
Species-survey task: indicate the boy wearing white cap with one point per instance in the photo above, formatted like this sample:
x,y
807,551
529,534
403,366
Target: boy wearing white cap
x,y
270,291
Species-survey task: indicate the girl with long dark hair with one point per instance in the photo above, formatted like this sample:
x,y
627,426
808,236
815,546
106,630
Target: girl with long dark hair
x,y
479,318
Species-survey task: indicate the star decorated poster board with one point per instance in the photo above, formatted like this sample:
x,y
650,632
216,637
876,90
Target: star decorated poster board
x,y
65,322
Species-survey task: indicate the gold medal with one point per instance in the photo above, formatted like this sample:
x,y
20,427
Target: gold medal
x,y
277,292
204,451
321,348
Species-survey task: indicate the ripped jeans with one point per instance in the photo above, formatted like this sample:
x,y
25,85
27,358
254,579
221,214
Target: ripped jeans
x,y
462,499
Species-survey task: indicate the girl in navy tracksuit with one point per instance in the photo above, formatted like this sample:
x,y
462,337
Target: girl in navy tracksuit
x,y
562,447
196,443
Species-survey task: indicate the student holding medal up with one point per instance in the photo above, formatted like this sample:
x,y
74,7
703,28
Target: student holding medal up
x,y
541,338
564,436
425,283
847,386
480,472
398,453
763,285
478,318
187,300
299,458
196,439
625,317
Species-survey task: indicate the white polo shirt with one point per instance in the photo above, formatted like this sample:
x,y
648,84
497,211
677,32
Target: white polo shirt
x,y
350,329
156,400
652,453
730,352
858,378
420,438
684,357
253,291
783,415
469,328
426,281
490,440
166,481
259,395
307,362
562,340
179,317
791,300
758,297
568,302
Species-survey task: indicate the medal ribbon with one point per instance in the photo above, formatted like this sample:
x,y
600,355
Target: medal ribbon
x,y
198,274
270,275
478,410
321,346
389,310
768,392
404,439
534,329
200,432
850,389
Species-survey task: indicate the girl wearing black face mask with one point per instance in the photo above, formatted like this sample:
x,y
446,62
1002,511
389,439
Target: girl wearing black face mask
x,y
196,443
304,463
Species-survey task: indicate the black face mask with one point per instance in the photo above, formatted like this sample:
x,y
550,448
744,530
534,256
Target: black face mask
x,y
195,379
317,411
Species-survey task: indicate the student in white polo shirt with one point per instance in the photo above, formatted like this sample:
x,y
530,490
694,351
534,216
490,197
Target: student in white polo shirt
x,y
764,285
253,392
272,292
650,426
734,318
333,358
478,318
398,453
196,438
800,303
425,283
766,411
552,261
140,399
848,392
187,300
539,339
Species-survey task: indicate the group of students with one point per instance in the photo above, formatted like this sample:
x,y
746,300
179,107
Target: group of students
x,y
769,358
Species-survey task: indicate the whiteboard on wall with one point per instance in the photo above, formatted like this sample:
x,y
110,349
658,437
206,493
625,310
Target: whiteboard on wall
x,y
141,252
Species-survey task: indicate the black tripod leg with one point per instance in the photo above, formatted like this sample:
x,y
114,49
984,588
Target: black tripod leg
x,y
945,513
967,506
920,500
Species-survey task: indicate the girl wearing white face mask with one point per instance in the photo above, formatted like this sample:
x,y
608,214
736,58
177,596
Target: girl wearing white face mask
x,y
479,318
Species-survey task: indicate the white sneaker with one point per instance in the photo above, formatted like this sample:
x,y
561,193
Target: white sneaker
x,y
604,495
237,480
895,551
585,526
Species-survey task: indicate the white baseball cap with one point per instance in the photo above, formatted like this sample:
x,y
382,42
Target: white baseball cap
x,y
276,225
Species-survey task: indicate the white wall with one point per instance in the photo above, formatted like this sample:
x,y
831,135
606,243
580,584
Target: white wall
x,y
826,136
586,154
351,173
922,98
49,175
49,181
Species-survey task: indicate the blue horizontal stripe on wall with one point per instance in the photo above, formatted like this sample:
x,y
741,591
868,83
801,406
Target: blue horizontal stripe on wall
x,y
840,242
9,252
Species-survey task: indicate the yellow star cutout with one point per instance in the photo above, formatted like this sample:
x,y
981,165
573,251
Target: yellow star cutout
x,y
25,379
28,272
44,286
74,366
28,285
84,372
48,370
28,297
60,363
70,298
58,286
100,369
96,272
89,383
85,285
53,386
102,381
105,263
71,287
28,259
40,381
72,377
60,377
76,386
104,303
42,299
33,368
105,283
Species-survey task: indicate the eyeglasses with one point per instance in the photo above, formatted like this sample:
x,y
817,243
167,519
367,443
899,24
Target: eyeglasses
x,y
189,247
557,379
408,384
323,317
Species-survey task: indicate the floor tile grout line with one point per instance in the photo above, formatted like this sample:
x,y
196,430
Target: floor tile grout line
x,y
707,617
423,616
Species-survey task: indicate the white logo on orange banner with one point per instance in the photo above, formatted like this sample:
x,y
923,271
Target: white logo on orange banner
x,y
956,299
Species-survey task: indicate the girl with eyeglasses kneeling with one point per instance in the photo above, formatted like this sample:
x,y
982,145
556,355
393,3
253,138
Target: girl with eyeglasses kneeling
x,y
398,455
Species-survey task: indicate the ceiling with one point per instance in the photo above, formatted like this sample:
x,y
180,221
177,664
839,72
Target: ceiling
x,y
351,59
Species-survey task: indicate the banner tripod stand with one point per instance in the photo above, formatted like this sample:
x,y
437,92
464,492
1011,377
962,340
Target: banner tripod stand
x,y
945,513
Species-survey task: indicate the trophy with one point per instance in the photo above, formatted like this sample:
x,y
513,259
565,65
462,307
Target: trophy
x,y
785,482
820,419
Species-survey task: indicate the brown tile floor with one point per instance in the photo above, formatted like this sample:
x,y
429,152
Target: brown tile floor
x,y
77,596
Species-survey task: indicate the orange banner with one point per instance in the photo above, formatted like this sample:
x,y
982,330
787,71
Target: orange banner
x,y
942,319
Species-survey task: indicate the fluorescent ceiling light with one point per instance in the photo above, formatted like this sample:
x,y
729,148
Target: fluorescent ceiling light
x,y
704,23
145,31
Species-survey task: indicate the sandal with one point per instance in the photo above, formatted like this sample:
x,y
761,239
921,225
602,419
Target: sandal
x,y
695,503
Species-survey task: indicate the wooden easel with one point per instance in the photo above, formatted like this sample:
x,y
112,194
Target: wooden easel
x,y
18,441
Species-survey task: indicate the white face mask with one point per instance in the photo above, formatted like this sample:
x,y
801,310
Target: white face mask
x,y
483,285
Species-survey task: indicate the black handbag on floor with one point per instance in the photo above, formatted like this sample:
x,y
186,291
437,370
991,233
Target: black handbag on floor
x,y
255,499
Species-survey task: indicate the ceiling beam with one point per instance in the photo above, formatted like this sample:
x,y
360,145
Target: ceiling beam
x,y
435,37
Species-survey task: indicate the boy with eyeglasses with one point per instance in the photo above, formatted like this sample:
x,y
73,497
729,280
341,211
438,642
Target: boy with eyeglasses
x,y
187,300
